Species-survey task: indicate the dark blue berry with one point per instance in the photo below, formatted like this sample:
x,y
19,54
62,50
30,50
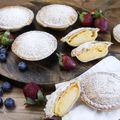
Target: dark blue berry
x,y
1,102
3,51
1,47
3,57
7,87
1,92
9,103
22,66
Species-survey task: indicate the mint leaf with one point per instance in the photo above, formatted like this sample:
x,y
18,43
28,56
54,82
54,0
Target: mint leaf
x,y
29,101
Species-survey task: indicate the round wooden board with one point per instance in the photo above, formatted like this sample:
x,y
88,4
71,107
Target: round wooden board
x,y
47,71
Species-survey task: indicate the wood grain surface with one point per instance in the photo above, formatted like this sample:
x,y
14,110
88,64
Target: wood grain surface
x,y
47,71
111,9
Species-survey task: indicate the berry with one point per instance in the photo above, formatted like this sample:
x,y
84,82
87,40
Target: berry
x,y
66,62
22,66
101,23
3,57
3,51
31,90
9,103
86,19
7,87
1,102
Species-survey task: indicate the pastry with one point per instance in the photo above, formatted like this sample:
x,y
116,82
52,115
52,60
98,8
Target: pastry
x,y
101,91
91,50
15,17
34,45
62,100
116,32
80,36
56,16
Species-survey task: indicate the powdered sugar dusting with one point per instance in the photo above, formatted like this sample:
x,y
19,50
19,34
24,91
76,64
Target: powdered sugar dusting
x,y
34,45
15,17
57,15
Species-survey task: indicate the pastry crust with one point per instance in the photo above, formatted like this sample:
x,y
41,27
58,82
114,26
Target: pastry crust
x,y
62,100
34,45
80,36
56,16
116,33
15,17
91,50
101,91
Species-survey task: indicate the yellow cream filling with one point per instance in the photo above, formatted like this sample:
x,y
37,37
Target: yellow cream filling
x,y
82,37
67,99
93,53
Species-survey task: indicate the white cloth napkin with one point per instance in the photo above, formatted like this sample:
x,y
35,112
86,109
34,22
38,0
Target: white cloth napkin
x,y
83,112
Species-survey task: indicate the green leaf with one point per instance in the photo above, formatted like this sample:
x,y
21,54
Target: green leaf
x,y
40,96
29,101
98,13
81,16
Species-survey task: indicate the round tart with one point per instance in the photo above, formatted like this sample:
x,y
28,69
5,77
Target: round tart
x,y
56,16
101,91
34,45
15,17
116,33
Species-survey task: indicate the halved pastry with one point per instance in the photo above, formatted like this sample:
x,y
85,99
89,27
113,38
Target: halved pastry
x,y
56,16
80,36
15,17
34,45
62,100
91,50
101,91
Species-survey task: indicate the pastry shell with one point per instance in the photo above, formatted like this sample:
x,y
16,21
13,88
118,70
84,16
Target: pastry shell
x,y
101,91
91,50
34,45
62,100
80,36
14,18
56,16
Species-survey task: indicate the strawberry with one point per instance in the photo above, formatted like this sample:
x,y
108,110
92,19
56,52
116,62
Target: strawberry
x,y
33,94
101,23
86,19
66,62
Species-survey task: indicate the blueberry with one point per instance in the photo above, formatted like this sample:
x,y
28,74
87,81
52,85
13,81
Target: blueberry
x,y
1,102
3,57
7,87
9,103
3,51
22,66
1,47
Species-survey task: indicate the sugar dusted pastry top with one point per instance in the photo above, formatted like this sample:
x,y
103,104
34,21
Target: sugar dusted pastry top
x,y
34,45
15,17
101,91
56,16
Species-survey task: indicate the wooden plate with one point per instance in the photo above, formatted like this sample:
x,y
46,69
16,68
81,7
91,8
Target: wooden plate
x,y
47,71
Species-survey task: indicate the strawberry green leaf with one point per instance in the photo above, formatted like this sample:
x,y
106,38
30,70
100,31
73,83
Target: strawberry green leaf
x,y
81,16
97,13
29,101
40,96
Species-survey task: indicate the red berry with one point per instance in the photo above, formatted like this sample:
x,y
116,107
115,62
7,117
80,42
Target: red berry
x,y
101,23
31,90
66,62
86,19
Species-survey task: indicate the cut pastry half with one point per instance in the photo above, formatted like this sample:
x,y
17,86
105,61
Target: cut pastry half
x,y
56,16
34,45
101,91
62,100
91,51
15,17
80,36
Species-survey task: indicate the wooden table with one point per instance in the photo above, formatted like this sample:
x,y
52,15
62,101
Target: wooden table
x,y
36,113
